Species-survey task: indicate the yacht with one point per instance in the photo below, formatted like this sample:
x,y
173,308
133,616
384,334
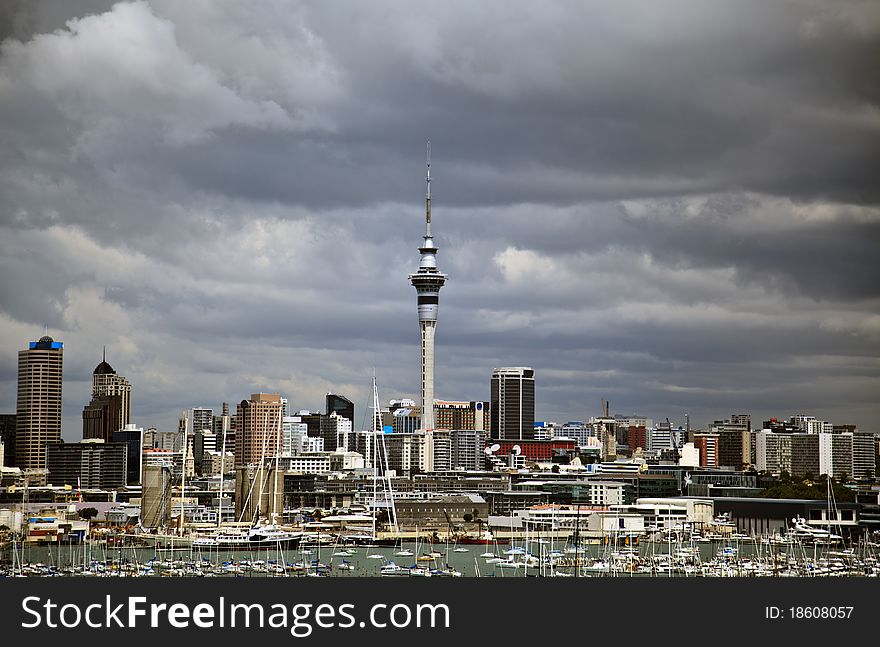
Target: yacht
x,y
803,531
266,536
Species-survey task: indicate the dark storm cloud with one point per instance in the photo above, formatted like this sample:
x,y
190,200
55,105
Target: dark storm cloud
x,y
21,19
669,206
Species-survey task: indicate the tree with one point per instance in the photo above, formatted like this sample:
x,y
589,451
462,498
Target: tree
x,y
468,517
88,513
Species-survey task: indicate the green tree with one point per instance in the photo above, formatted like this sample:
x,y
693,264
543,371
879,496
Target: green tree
x,y
88,513
468,517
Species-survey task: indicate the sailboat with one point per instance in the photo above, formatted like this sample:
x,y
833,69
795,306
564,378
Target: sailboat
x,y
403,552
380,462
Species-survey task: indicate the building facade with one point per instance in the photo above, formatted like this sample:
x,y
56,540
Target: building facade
x,y
7,437
864,455
461,415
467,448
101,417
258,436
340,405
512,403
707,445
132,437
836,454
89,464
38,407
795,453
108,383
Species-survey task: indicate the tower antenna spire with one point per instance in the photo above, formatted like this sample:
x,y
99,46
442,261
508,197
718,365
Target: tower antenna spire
x,y
104,354
428,192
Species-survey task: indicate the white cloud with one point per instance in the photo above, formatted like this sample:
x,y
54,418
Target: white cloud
x,y
121,71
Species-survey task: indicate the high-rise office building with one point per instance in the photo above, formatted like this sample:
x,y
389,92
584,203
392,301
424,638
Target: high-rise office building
x,y
89,464
107,382
340,405
796,453
461,415
637,437
101,417
312,420
707,445
734,440
836,454
411,452
663,437
427,281
203,441
132,437
222,428
259,487
864,454
201,419
296,439
466,448
405,420
7,437
38,407
512,403
259,429
335,429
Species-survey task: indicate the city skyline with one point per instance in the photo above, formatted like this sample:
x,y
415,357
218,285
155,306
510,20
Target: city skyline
x,y
671,209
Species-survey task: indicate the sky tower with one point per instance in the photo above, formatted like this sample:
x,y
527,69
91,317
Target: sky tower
x,y
427,281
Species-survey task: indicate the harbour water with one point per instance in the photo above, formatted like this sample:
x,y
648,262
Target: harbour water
x,y
658,558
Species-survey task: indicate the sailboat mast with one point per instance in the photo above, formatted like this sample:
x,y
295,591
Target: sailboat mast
x,y
375,450
222,470
182,480
278,443
261,469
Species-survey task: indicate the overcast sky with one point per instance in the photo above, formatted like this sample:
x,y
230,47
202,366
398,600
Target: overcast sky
x,y
671,205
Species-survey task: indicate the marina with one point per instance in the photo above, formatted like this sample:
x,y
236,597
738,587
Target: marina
x,y
662,555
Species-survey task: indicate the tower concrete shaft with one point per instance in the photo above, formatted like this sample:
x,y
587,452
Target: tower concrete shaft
x,y
427,281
